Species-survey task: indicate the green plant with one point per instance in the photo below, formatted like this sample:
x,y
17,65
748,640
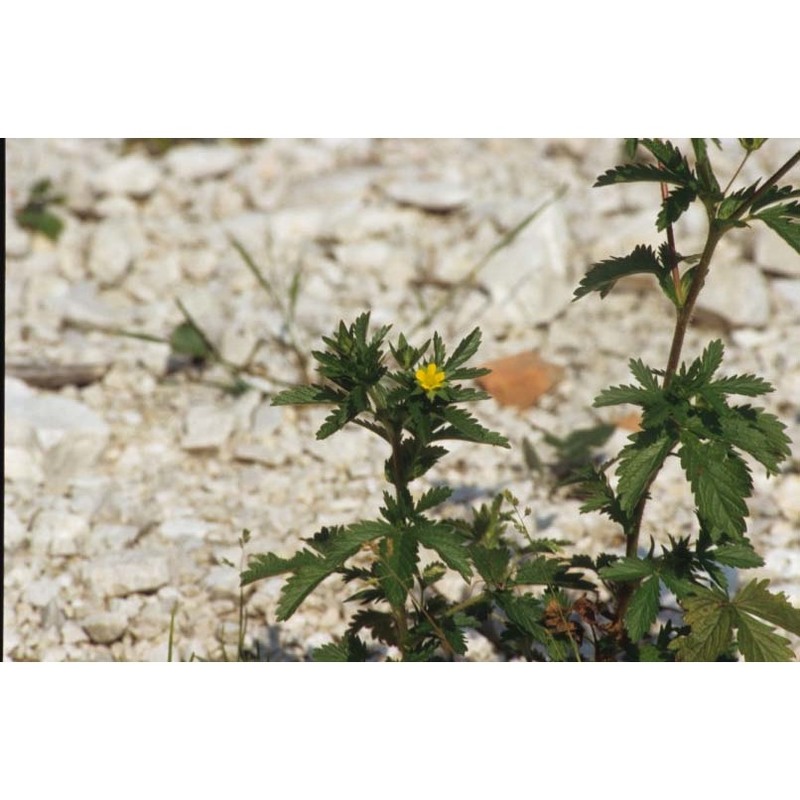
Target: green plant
x,y
36,214
604,608
687,413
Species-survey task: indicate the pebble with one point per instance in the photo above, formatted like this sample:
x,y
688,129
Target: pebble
x,y
207,428
200,162
739,293
105,627
58,533
113,248
132,175
434,196
121,574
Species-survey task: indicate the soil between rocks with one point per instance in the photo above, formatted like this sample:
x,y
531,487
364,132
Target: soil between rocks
x,y
127,486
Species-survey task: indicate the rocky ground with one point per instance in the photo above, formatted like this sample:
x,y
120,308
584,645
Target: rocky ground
x,y
128,485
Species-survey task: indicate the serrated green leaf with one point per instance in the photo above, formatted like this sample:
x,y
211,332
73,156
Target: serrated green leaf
x,y
740,555
396,566
597,495
785,221
669,156
308,574
465,350
759,642
444,540
268,565
465,426
304,395
757,433
748,385
639,461
524,611
432,498
305,579
705,172
710,361
349,648
627,569
672,208
540,571
644,374
602,276
492,563
711,618
643,608
381,624
720,482
756,599
617,395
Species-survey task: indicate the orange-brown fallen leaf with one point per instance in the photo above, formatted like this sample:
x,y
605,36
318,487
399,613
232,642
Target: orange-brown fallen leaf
x,y
630,422
520,380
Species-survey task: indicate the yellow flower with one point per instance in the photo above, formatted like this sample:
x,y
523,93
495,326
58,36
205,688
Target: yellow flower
x,y
430,377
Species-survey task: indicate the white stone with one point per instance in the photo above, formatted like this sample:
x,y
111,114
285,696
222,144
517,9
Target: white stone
x,y
238,344
57,533
773,253
105,627
73,633
40,592
113,537
787,496
249,452
185,527
114,247
121,574
207,427
83,308
198,162
737,292
22,464
436,196
116,206
530,280
267,419
222,582
787,294
133,175
14,532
